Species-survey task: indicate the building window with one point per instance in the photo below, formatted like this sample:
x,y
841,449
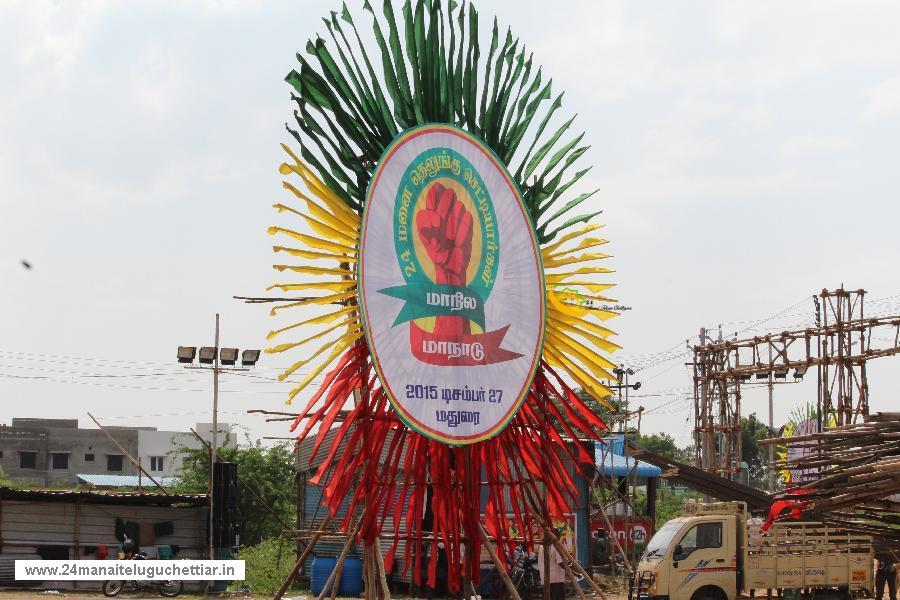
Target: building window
x,y
156,463
88,458
113,462
27,460
60,460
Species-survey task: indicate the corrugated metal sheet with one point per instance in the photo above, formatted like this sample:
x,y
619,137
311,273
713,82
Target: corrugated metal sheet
x,y
50,521
103,496
103,480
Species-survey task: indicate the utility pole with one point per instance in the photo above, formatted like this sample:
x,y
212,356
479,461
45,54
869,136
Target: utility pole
x,y
771,387
213,457
216,357
705,450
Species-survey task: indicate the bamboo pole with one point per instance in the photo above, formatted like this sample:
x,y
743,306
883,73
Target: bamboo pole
x,y
297,565
335,576
125,452
382,576
578,591
513,593
561,548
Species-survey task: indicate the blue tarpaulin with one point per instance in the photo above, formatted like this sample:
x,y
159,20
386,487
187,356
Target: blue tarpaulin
x,y
611,461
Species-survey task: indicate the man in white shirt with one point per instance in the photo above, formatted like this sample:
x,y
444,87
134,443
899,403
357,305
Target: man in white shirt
x,y
557,578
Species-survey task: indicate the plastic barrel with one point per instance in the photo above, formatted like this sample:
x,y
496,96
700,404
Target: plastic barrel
x,y
351,577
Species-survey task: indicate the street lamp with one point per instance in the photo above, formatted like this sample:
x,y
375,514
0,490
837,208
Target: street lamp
x,y
215,356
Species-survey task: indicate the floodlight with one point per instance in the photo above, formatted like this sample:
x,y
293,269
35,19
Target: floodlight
x,y
207,355
228,356
186,354
762,375
781,373
799,372
745,376
249,357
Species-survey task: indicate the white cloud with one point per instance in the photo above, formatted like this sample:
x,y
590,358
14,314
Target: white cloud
x,y
810,146
156,80
883,100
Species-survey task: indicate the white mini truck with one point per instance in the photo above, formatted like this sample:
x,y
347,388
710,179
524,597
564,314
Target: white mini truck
x,y
716,553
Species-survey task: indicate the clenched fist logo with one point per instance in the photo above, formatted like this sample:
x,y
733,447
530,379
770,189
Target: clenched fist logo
x,y
445,229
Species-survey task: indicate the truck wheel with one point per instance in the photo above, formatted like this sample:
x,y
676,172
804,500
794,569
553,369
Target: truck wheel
x,y
709,593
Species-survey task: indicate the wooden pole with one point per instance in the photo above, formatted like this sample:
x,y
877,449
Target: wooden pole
x,y
382,576
513,593
567,556
213,459
297,565
125,452
545,573
578,591
335,576
562,549
247,486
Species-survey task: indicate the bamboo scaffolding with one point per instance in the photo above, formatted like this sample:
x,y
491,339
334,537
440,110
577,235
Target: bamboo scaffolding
x,y
850,474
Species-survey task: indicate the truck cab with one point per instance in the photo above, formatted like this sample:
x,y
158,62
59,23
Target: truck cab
x,y
691,558
716,551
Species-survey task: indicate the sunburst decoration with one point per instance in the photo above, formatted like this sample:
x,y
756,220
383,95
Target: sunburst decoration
x,y
800,416
347,113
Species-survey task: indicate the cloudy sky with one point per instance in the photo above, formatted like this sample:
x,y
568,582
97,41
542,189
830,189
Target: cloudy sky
x,y
746,153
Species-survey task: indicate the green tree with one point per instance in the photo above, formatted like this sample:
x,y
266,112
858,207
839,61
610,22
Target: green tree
x,y
755,455
7,483
268,471
664,445
267,565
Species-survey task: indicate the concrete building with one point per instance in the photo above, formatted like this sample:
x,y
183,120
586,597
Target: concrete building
x,y
53,452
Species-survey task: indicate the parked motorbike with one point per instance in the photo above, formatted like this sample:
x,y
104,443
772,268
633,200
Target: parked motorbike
x,y
170,589
525,576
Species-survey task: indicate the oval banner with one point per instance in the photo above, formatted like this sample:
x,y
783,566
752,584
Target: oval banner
x,y
451,285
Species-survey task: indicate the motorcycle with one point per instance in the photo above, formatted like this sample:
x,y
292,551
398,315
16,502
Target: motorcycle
x,y
525,576
169,589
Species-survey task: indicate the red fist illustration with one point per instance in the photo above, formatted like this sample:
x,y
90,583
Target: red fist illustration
x,y
445,229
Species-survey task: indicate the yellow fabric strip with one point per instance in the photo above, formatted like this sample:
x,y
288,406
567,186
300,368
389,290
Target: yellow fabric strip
x,y
579,271
326,318
583,245
601,343
332,221
597,390
329,299
551,263
290,370
315,242
346,343
569,292
590,360
329,232
314,255
571,236
315,185
348,217
590,355
579,323
287,346
314,270
334,286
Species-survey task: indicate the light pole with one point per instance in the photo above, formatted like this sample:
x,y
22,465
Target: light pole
x,y
215,356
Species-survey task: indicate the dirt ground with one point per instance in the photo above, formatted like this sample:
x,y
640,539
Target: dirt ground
x,y
76,595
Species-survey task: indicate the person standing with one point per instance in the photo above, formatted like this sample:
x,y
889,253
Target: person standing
x,y
885,572
557,572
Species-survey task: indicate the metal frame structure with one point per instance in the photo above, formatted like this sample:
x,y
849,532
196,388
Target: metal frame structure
x,y
839,346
